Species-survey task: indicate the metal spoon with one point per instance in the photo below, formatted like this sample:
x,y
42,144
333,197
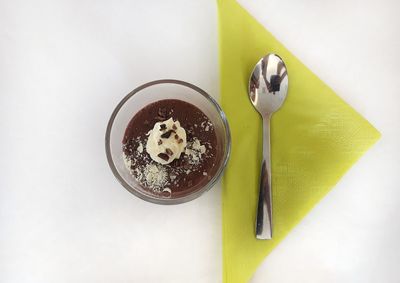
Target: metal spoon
x,y
267,90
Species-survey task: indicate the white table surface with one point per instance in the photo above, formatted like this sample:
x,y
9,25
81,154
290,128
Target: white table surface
x,y
65,64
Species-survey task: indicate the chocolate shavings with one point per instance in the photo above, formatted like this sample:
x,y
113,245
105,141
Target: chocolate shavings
x,y
167,134
169,151
163,156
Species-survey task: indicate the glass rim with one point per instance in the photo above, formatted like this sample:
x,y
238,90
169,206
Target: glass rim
x,y
191,196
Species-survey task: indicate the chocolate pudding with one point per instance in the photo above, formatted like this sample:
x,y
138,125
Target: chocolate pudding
x,y
170,148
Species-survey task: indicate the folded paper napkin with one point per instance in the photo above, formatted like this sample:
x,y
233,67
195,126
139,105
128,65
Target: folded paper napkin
x,y
315,139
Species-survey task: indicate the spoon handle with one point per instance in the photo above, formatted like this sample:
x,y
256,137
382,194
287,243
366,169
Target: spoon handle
x,y
264,210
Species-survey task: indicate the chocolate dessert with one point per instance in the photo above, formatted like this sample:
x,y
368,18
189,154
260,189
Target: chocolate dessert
x,y
170,148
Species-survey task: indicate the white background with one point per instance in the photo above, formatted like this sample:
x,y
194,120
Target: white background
x,y
64,65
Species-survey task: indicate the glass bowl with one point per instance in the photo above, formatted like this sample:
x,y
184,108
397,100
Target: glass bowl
x,y
143,96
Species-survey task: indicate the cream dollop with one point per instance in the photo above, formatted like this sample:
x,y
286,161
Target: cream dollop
x,y
166,142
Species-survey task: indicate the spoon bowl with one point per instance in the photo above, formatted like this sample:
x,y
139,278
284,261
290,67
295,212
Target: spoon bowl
x,y
268,84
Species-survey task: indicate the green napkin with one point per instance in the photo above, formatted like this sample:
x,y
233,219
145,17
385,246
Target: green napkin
x,y
315,138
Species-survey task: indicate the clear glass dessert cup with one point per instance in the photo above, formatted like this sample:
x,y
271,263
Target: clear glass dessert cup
x,y
143,96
